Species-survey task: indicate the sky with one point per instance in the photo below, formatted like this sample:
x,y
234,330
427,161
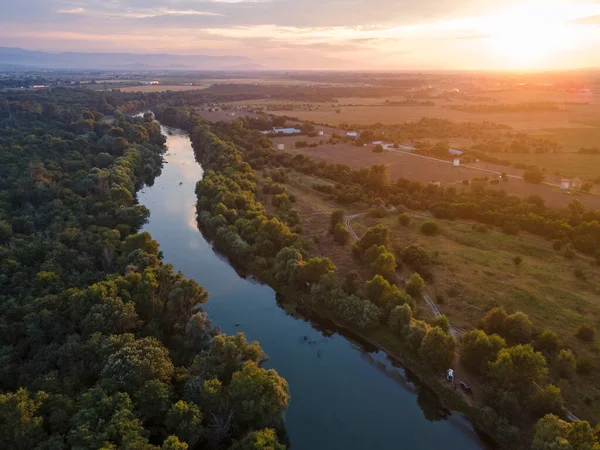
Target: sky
x,y
320,34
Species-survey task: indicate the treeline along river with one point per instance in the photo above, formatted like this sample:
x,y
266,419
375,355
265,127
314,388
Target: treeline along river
x,y
344,394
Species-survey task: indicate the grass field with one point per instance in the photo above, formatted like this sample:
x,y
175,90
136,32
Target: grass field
x,y
161,88
474,272
567,164
426,171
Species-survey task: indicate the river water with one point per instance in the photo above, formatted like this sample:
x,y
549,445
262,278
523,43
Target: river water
x,y
344,395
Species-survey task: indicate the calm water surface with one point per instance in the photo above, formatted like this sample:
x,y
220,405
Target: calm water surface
x,y
344,396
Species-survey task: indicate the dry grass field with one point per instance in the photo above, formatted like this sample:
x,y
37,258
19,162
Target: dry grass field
x,y
162,88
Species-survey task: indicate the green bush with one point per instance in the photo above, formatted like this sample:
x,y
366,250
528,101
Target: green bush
x,y
430,228
415,285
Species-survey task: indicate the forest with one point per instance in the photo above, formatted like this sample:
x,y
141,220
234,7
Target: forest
x,y
102,344
521,406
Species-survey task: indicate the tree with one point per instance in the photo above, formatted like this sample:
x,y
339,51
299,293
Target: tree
x,y
314,269
138,362
341,234
438,349
548,343
337,217
400,317
518,369
518,328
173,443
430,228
553,433
534,175
547,400
442,322
265,439
352,282
493,321
184,420
384,265
21,423
415,286
259,396
288,263
565,364
478,349
414,334
376,235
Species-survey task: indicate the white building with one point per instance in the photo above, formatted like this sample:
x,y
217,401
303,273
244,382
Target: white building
x,y
321,133
353,134
283,131
280,146
456,162
565,183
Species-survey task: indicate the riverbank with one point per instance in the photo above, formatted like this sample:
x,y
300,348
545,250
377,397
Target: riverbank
x,y
345,394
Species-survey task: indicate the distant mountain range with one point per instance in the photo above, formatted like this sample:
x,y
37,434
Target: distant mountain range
x,y
20,58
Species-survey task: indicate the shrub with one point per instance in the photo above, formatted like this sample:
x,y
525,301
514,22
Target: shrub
x,y
415,257
518,260
586,333
579,273
569,252
404,219
493,322
547,342
518,328
481,228
341,234
415,285
301,144
510,227
585,366
557,245
378,149
430,228
547,400
534,175
565,364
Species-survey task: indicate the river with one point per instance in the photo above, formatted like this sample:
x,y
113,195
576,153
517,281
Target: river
x,y
344,396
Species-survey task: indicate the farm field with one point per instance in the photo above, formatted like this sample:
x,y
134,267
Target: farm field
x,y
528,122
426,171
568,164
474,271
161,88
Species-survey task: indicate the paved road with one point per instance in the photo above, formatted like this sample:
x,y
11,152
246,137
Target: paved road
x,y
456,332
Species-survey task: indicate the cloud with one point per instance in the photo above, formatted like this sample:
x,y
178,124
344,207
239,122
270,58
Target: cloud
x,y
71,11
590,20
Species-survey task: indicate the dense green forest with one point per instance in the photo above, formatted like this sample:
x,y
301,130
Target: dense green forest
x,y
512,360
102,345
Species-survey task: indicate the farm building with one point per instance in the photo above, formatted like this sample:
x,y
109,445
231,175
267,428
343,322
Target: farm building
x,y
565,183
435,183
353,134
456,162
321,133
280,146
576,183
455,152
